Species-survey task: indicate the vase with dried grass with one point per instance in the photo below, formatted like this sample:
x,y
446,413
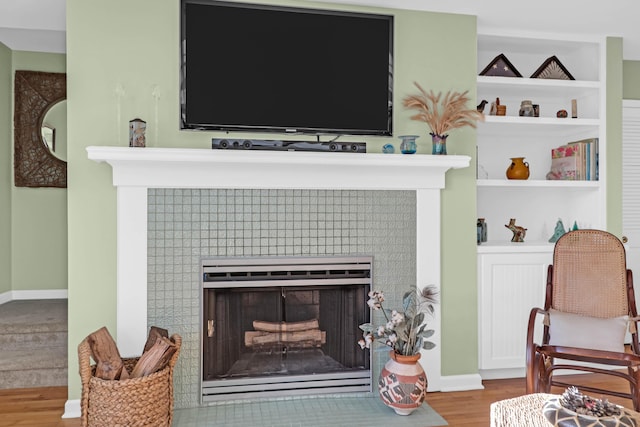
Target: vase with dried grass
x,y
442,114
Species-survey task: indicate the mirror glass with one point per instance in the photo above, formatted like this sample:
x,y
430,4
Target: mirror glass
x,y
54,130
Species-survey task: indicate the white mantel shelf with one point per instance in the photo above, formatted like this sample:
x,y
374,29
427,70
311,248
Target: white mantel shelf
x,y
192,168
135,170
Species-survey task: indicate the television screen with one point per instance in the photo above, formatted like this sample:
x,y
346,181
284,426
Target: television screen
x,y
253,67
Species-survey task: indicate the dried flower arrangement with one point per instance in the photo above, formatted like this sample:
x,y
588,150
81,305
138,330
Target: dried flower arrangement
x,y
404,331
442,114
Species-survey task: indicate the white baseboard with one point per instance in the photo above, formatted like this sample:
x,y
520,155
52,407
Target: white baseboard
x,y
5,297
461,382
72,409
33,294
497,374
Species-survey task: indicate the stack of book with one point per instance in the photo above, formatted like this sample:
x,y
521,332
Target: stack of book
x,y
577,160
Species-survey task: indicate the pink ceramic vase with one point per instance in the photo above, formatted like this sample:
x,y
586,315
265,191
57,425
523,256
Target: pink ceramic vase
x,y
403,383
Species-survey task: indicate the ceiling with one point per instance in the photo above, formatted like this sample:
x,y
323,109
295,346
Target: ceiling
x,y
39,25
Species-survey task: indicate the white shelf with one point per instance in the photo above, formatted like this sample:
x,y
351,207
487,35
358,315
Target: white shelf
x,y
536,183
541,86
495,247
515,125
539,121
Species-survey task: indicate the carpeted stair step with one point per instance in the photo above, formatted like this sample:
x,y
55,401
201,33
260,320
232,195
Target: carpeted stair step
x,y
42,368
33,343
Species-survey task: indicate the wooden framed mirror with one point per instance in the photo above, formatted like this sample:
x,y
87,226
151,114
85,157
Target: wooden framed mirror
x,y
34,163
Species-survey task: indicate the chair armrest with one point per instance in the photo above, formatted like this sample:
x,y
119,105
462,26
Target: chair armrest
x,y
531,326
592,356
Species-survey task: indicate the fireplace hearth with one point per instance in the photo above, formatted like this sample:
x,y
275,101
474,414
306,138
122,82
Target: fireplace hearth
x,y
278,326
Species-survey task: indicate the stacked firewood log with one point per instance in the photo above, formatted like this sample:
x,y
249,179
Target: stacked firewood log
x,y
304,334
110,366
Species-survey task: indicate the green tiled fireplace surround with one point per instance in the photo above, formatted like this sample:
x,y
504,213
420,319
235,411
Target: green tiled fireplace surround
x,y
185,225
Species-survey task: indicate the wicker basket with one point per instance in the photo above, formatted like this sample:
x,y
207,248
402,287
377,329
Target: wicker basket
x,y
136,402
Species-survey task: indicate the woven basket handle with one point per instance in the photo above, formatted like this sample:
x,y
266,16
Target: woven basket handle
x,y
84,355
177,340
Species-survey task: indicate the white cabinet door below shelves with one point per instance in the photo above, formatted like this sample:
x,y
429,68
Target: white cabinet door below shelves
x,y
509,286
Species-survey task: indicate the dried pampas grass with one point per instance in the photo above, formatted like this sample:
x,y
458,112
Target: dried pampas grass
x,y
442,114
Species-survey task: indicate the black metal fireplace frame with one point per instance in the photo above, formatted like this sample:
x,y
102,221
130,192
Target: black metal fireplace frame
x,y
290,272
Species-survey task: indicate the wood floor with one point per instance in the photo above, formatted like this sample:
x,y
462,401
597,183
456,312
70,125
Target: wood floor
x,y
43,407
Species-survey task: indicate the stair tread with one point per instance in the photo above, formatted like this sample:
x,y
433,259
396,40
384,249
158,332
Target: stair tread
x,y
27,341
18,316
53,357
33,378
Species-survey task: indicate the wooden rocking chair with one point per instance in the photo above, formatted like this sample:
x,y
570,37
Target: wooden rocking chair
x,y
589,303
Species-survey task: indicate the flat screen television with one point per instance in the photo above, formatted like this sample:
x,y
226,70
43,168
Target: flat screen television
x,y
260,68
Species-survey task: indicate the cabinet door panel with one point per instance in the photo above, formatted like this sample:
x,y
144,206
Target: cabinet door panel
x,y
510,286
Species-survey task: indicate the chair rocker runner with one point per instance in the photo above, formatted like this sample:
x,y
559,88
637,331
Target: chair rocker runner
x,y
589,304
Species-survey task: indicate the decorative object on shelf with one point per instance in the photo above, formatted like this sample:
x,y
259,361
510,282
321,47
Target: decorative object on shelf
x,y
481,172
536,110
388,149
137,128
408,144
574,409
442,114
552,68
499,109
526,109
482,230
402,384
577,160
518,232
438,144
500,66
558,232
481,106
493,110
518,169
562,114
574,109
575,226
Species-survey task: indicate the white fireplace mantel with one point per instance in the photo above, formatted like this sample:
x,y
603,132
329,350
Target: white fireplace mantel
x,y
188,168
137,169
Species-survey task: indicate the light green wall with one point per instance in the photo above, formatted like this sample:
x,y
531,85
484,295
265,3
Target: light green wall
x,y
134,54
39,215
6,167
614,135
631,79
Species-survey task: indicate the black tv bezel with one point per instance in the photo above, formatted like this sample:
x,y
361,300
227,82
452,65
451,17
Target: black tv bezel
x,y
185,125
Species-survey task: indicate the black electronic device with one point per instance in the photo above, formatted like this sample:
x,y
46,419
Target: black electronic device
x,y
279,145
290,70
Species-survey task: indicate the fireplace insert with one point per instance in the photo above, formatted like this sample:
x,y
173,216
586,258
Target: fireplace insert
x,y
282,326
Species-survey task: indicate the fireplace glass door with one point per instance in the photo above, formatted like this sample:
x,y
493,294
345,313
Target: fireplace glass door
x,y
284,331
289,332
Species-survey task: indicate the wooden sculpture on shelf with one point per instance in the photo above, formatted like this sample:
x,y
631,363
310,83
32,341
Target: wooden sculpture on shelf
x,y
518,232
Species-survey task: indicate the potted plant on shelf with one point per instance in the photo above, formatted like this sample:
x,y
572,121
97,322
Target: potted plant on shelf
x,y
403,382
442,114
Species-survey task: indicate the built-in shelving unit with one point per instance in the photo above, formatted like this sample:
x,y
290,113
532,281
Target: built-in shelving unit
x,y
511,276
538,203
